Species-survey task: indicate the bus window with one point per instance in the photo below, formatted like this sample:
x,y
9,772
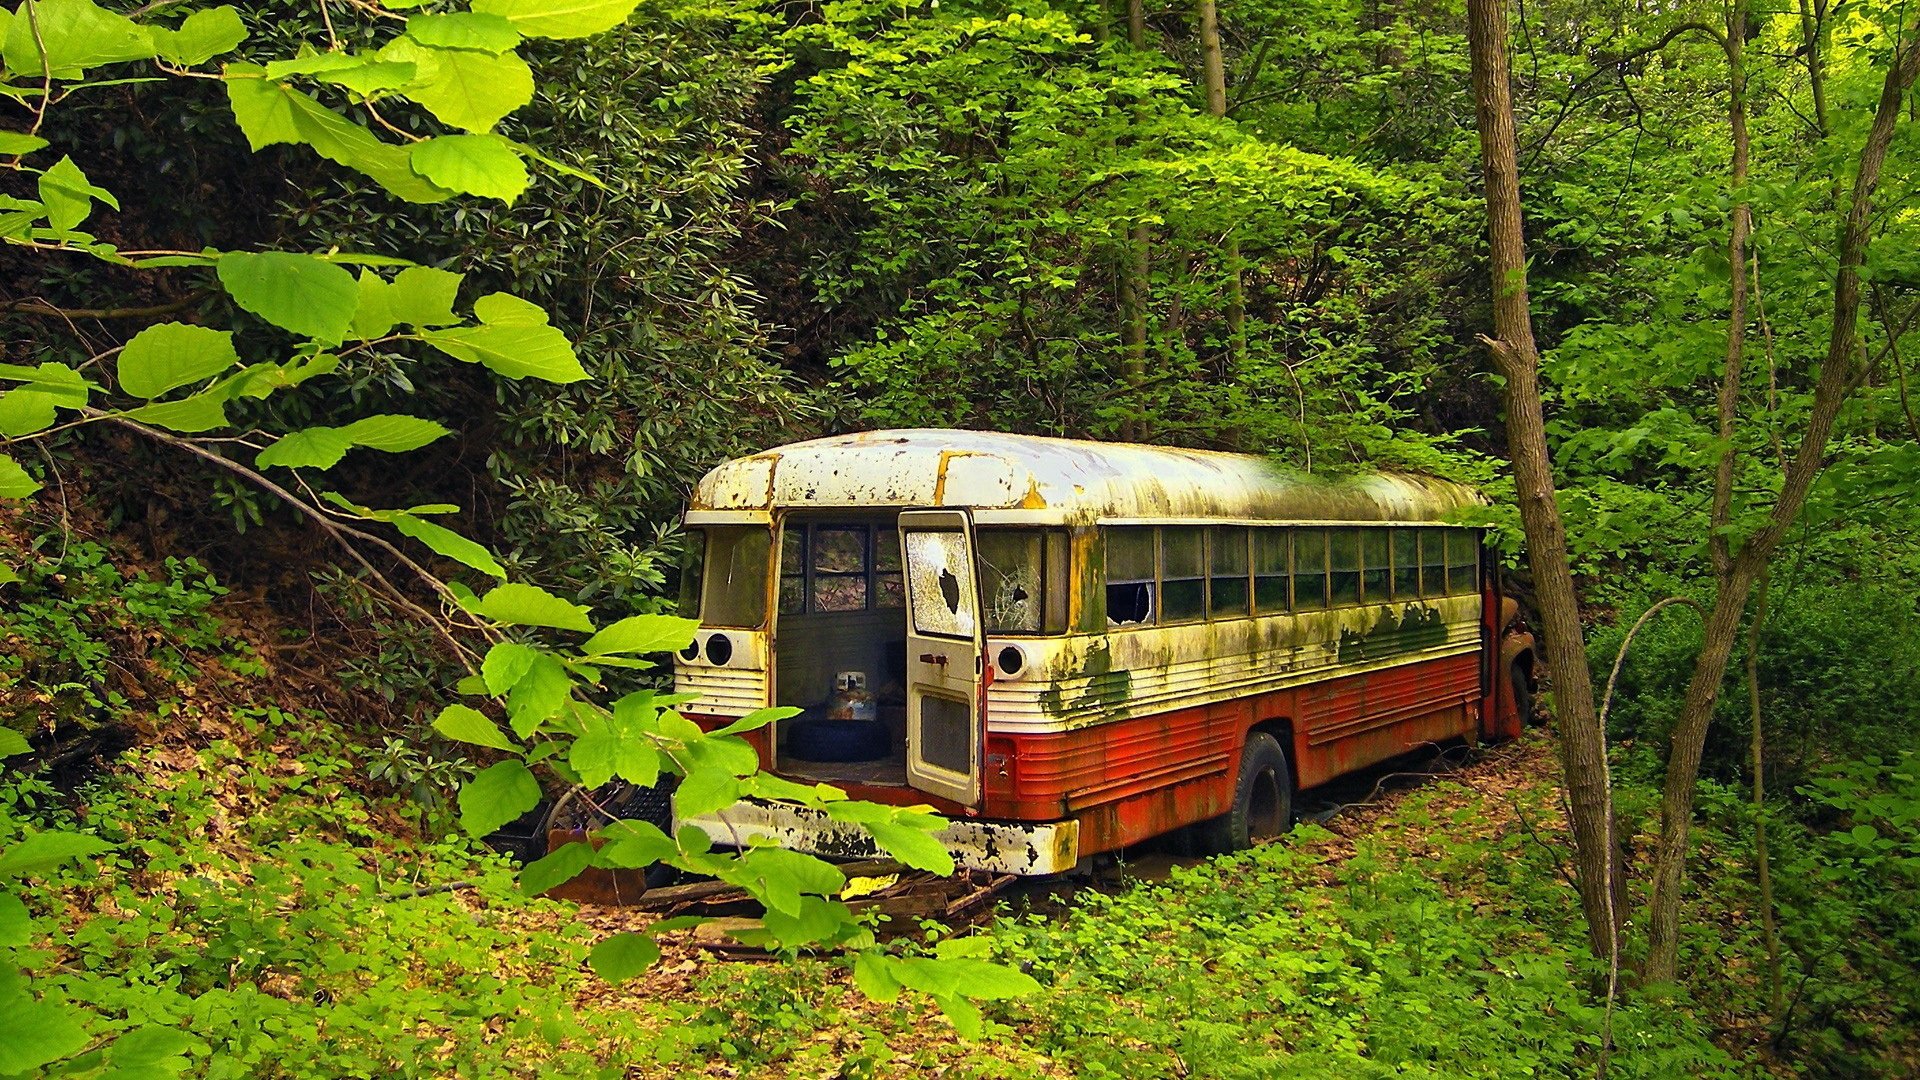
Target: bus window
x,y
889,591
1433,562
1129,575
733,588
1463,561
793,569
1376,579
1183,574
1227,572
1270,571
1343,566
692,556
1406,564
1023,576
839,568
1309,569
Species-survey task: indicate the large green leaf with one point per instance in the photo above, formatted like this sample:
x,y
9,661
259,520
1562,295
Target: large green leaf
x,y
204,411
37,1033
556,868
323,447
49,850
271,112
309,296
16,925
517,352
171,355
19,142
24,411
69,196
559,18
152,1052
75,35
12,743
468,725
520,604
496,795
423,296
622,956
643,634
14,481
205,34
484,165
464,30
614,747
445,541
262,108
461,87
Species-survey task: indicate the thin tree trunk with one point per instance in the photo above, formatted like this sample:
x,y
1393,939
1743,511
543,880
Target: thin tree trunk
x,y
1728,405
1757,745
1518,360
1840,374
1213,70
1134,271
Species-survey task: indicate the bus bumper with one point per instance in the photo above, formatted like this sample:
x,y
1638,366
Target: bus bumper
x,y
1003,847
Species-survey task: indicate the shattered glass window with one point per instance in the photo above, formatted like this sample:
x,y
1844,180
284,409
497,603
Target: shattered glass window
x,y
1023,580
1130,566
940,585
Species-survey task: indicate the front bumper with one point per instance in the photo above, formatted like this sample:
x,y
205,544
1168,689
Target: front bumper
x,y
1003,847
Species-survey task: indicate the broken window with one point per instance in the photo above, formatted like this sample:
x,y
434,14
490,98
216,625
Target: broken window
x,y
1023,580
1130,565
940,585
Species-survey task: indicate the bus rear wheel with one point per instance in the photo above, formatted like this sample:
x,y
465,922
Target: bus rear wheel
x,y
1262,799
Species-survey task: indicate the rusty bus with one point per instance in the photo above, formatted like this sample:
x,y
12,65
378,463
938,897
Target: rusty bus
x,y
1068,647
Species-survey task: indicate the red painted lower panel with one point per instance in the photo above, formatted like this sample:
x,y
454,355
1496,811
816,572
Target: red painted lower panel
x,y
1132,779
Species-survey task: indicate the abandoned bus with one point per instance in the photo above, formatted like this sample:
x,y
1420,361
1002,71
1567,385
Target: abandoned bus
x,y
1068,647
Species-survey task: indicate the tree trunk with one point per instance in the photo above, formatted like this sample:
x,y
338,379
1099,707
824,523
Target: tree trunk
x,y
1757,747
1213,70
1840,374
1134,271
1517,358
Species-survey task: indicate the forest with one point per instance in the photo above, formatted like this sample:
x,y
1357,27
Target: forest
x,y
361,358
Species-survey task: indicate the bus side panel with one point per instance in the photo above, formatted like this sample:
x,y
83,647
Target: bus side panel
x,y
1128,780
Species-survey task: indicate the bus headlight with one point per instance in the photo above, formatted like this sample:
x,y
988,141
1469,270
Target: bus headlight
x,y
1009,662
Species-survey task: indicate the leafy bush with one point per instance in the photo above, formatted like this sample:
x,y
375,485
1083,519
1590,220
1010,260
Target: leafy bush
x,y
1839,679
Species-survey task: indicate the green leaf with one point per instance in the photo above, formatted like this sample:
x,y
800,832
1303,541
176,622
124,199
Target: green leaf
x,y
642,634
913,846
464,30
423,296
555,868
309,296
37,1033
559,18
323,447
446,542
517,352
371,78
262,108
506,309
539,695
270,112
19,142
614,747
467,89
704,791
463,724
7,577
984,980
12,743
519,604
872,973
69,196
484,165
14,481
497,795
506,664
622,956
758,719
205,34
202,412
171,355
24,411
76,35
631,844
148,1052
45,851
16,926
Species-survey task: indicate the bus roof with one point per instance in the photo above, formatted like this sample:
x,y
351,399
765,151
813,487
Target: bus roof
x,y
1038,480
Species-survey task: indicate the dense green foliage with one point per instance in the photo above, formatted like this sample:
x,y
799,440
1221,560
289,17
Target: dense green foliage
x,y
388,310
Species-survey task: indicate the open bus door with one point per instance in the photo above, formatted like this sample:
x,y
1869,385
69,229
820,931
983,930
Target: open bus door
x,y
944,654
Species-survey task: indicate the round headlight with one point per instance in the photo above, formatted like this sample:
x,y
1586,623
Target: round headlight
x,y
691,652
1010,660
719,650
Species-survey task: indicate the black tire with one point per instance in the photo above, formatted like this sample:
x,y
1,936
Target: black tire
x,y
1262,799
1523,692
819,739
